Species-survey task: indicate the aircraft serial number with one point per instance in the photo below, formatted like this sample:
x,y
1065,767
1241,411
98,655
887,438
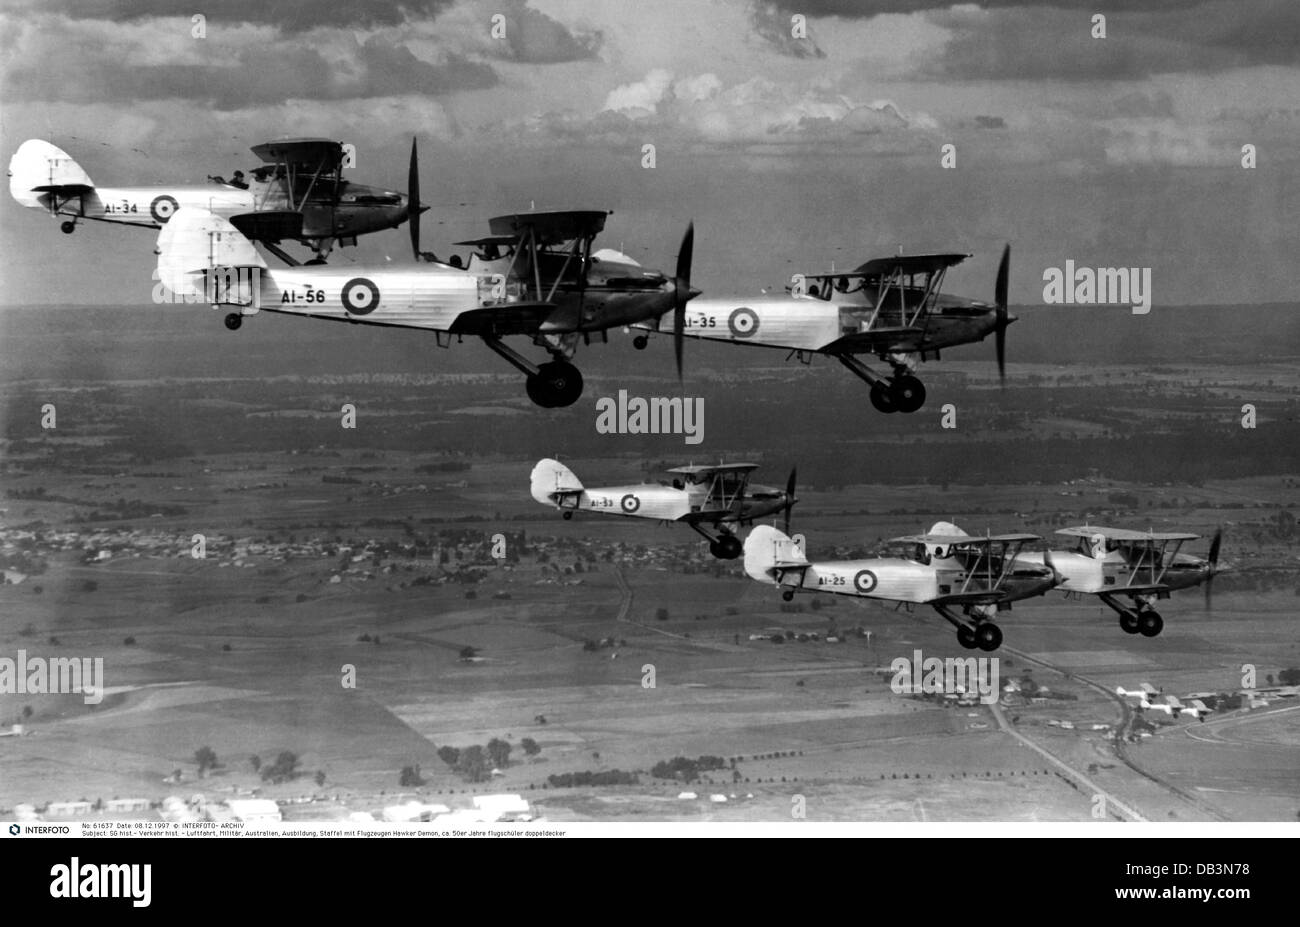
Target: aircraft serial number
x,y
831,581
701,321
602,503
308,296
126,206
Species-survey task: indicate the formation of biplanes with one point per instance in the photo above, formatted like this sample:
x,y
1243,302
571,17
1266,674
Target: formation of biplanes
x,y
537,275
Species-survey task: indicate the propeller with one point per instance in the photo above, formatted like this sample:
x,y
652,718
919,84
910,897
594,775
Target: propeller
x,y
681,293
790,500
1003,320
1051,565
413,209
1213,560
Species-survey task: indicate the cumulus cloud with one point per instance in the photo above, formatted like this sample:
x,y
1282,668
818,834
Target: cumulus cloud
x,y
287,15
775,27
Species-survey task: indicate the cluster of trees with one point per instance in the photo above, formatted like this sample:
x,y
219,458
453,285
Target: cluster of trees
x,y
475,763
284,769
586,777
686,769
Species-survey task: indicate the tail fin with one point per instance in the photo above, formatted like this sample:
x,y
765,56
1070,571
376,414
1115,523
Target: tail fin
x,y
40,172
192,244
767,548
551,479
946,529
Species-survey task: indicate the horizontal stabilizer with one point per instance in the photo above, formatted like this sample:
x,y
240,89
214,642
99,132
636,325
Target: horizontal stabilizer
x,y
552,480
195,241
39,170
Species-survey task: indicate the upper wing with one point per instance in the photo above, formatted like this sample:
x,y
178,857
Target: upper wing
x,y
549,228
316,152
1124,534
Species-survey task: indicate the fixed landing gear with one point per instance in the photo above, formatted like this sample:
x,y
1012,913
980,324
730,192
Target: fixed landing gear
x,y
68,227
234,320
727,547
640,342
788,595
901,394
555,385
1145,621
985,636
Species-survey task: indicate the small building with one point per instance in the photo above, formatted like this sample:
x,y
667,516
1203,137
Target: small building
x,y
254,810
67,809
126,805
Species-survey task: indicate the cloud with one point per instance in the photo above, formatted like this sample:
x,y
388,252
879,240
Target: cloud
x,y
290,16
532,37
775,27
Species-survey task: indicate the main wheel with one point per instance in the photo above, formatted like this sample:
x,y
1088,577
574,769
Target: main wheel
x,y
966,637
988,636
639,342
535,386
908,393
68,227
561,383
234,320
1150,623
1129,622
882,397
788,595
730,547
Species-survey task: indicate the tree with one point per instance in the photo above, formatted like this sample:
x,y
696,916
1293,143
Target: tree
x,y
499,752
256,762
410,777
449,755
206,758
530,746
661,614
320,778
473,764
284,769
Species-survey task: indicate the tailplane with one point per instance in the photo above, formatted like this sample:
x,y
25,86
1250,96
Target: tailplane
x,y
42,176
551,480
193,244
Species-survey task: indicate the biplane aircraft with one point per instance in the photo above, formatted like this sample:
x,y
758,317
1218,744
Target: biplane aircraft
x,y
297,194
891,307
949,571
203,254
717,496
1141,566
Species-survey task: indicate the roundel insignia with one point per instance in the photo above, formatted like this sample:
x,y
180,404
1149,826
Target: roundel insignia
x,y
360,296
630,503
865,581
743,322
163,208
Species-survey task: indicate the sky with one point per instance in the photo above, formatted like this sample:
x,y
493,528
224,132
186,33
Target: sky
x,y
798,135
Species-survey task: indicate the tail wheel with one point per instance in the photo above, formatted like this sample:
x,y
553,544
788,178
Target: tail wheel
x,y
234,320
1129,622
882,397
68,227
988,636
966,637
1150,623
640,342
908,393
788,595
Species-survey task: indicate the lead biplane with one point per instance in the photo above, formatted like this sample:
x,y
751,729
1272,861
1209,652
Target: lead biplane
x,y
949,571
204,254
297,194
1141,566
892,307
717,496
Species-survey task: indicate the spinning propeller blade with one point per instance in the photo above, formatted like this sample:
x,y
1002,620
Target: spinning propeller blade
x,y
1000,301
682,293
413,208
790,500
1213,560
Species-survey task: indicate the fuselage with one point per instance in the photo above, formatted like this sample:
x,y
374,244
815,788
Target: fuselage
x,y
808,323
1118,570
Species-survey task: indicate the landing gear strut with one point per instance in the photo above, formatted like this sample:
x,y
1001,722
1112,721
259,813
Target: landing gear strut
x,y
972,631
552,385
1145,620
900,393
